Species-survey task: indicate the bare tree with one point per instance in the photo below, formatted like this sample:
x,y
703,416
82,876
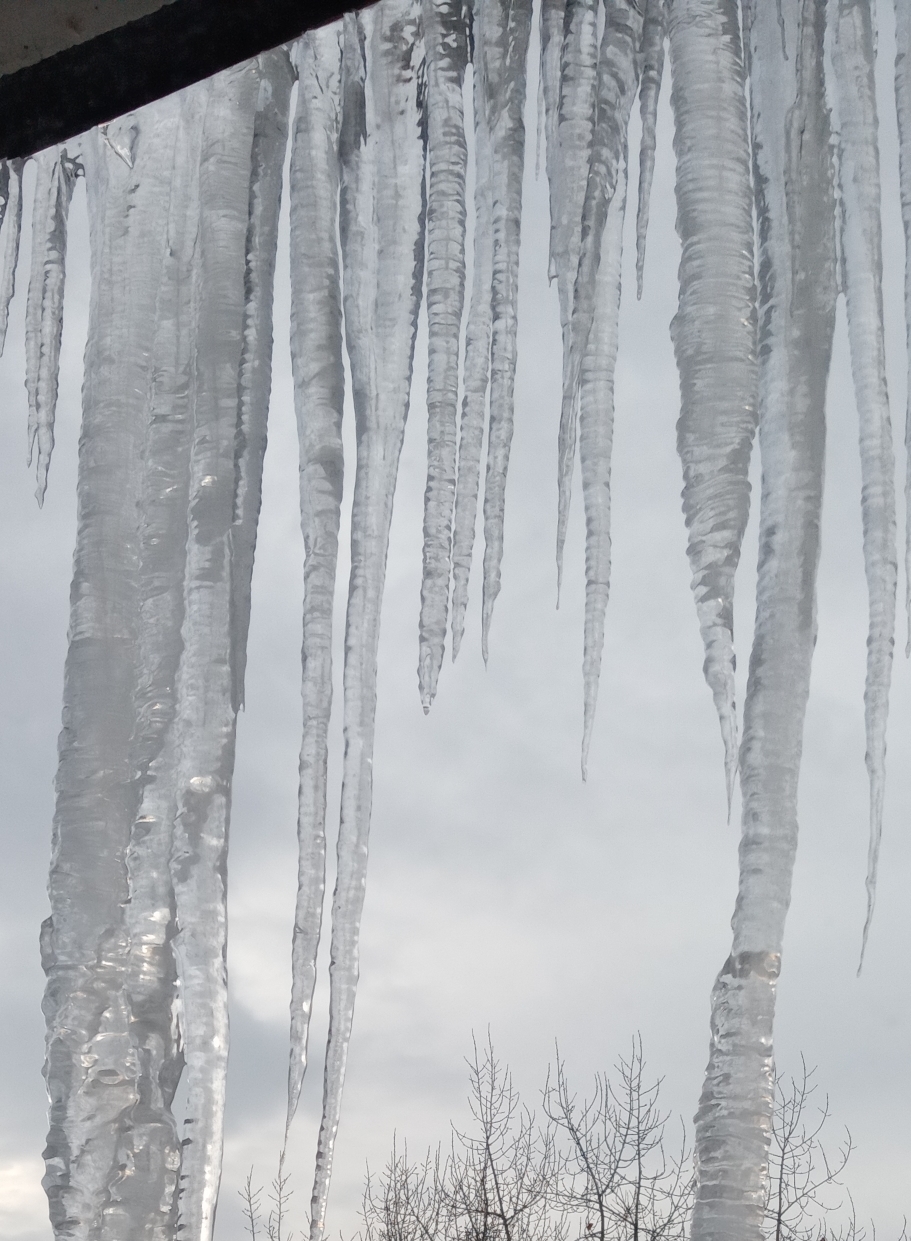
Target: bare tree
x,y
617,1179
407,1202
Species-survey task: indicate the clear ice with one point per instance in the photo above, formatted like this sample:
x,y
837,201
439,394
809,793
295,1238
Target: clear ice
x,y
183,200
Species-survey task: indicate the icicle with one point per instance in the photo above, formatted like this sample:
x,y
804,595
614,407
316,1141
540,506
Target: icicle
x,y
11,216
654,33
44,311
446,38
854,61
382,235
502,34
476,370
146,1203
714,331
797,314
551,22
903,108
596,434
91,1062
316,354
618,77
242,146
569,175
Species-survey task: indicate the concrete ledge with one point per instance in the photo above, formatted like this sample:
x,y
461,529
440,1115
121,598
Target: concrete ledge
x,y
100,76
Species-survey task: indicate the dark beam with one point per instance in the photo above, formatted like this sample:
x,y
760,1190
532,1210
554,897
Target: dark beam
x,y
182,42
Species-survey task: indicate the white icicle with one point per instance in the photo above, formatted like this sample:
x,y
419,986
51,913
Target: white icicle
x,y
795,209
654,33
446,38
11,221
501,38
244,119
714,331
854,61
618,77
903,109
44,310
569,176
91,1067
316,355
596,435
476,370
382,236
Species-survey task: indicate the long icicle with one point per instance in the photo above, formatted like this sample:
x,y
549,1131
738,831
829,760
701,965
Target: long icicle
x,y
504,46
596,437
11,220
54,186
795,209
618,77
382,235
903,110
714,331
319,381
244,115
854,62
446,36
574,137
476,369
654,33
145,1202
90,1065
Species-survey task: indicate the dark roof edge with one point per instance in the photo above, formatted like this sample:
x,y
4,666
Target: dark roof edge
x,y
181,43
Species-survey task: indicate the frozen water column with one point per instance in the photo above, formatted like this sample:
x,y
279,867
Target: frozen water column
x,y
795,212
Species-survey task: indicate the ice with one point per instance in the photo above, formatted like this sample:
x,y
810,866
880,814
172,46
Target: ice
x,y
575,130
854,63
446,39
795,207
243,114
501,44
618,78
903,108
552,17
91,1061
476,369
316,352
11,217
654,33
56,179
714,331
382,236
596,434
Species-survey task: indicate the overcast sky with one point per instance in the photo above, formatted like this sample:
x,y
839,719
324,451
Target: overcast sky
x,y
503,893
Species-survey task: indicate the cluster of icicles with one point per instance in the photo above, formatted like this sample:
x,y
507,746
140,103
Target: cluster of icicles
x,y
778,211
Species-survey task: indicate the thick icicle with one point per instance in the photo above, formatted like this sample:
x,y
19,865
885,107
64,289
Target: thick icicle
x,y
903,108
91,1067
242,144
596,436
11,218
551,28
44,310
797,313
654,33
501,39
854,62
382,236
618,77
714,331
476,371
316,355
569,175
446,38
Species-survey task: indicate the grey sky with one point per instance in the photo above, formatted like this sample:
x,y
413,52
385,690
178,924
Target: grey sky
x,y
503,892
